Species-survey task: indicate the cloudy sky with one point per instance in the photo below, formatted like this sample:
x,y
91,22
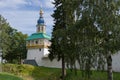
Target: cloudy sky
x,y
23,14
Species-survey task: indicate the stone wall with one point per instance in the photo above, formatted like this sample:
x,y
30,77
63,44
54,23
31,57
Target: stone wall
x,y
43,60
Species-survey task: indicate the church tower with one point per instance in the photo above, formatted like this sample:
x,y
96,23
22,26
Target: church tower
x,y
37,44
40,24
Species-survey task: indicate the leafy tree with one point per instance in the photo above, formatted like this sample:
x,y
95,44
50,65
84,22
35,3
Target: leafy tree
x,y
93,38
17,51
63,18
5,30
12,42
98,27
109,25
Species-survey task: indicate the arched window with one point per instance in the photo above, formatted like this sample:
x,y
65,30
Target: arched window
x,y
36,42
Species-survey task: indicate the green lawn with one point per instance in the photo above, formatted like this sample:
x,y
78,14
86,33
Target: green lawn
x,y
96,75
29,72
6,76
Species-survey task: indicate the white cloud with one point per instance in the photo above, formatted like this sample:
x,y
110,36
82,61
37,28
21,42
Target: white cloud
x,y
26,21
49,4
15,4
11,3
41,3
34,2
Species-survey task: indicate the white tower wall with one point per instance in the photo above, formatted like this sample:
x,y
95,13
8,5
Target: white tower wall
x,y
37,55
116,62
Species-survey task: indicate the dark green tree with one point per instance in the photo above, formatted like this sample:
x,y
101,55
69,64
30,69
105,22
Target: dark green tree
x,y
5,31
109,24
86,31
63,18
12,42
17,51
98,25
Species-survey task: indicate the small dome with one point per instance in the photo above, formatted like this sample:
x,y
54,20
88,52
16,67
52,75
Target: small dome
x,y
40,20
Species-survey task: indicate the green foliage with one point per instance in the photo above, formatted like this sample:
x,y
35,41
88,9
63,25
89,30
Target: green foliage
x,y
85,31
12,42
5,31
17,49
32,72
99,27
18,69
63,18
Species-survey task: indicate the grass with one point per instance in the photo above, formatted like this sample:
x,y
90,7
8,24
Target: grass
x,y
29,72
96,75
6,76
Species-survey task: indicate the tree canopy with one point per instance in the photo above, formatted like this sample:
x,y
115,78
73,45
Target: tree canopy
x,y
12,42
87,32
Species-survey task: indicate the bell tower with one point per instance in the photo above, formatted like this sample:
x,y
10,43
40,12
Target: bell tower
x,y
41,28
37,43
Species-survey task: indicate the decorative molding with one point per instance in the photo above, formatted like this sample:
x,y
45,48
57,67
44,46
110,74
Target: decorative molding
x,y
36,46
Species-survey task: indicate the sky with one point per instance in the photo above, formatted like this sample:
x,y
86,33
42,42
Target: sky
x,y
23,14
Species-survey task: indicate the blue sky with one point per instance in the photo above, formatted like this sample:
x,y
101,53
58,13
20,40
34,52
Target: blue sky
x,y
23,14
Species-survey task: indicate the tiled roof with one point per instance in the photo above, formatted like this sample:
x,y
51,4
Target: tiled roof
x,y
39,36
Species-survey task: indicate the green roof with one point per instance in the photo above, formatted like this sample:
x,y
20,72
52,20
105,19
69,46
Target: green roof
x,y
38,36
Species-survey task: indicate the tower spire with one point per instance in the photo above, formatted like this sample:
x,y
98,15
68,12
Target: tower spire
x,y
41,28
41,12
41,19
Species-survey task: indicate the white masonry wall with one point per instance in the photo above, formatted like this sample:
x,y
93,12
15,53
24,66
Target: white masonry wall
x,y
46,52
55,64
0,55
42,59
35,54
116,62
0,59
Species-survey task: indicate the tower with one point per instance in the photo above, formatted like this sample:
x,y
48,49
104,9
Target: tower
x,y
37,43
40,23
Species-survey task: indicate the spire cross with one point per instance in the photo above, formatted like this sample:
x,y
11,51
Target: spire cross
x,y
41,11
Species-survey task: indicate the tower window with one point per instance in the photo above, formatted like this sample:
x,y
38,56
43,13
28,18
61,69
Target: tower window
x,y
36,42
39,49
42,29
